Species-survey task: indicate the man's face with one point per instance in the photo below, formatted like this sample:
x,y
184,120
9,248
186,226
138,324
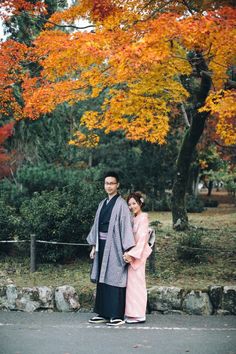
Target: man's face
x,y
111,185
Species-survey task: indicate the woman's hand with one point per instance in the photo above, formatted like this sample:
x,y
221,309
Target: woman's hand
x,y
127,258
92,253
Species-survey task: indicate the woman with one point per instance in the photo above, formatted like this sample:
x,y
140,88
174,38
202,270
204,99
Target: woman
x,y
136,292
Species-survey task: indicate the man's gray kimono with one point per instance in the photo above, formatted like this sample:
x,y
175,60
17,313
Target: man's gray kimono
x,y
119,239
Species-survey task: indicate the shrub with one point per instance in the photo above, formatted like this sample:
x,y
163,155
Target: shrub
x,y
194,204
13,194
62,216
8,224
209,203
230,186
45,177
190,248
55,203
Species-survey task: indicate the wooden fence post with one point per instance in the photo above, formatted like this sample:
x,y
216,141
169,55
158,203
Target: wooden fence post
x,y
152,260
32,253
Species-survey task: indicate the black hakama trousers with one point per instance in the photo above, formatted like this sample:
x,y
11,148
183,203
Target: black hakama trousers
x,y
110,300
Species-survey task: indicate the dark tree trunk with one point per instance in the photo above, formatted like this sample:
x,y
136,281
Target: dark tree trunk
x,y
190,140
210,187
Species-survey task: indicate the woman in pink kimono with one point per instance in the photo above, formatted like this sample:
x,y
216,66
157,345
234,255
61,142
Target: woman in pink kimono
x,y
136,292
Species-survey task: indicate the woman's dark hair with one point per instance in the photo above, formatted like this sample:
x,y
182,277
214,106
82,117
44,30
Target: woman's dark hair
x,y
138,197
112,174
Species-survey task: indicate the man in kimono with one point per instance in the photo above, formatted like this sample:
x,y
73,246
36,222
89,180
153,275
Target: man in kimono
x,y
111,235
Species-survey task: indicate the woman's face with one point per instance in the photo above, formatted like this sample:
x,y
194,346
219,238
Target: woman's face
x,y
134,206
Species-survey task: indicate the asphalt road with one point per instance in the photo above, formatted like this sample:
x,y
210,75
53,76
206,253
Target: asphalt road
x,y
70,333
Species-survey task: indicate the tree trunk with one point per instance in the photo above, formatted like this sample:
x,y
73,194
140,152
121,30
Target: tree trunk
x,y
190,140
193,181
196,183
210,187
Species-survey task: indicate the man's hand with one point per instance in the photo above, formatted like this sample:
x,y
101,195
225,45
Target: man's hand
x,y
127,258
92,253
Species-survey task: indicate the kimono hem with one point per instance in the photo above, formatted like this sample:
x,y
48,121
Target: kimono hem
x,y
136,292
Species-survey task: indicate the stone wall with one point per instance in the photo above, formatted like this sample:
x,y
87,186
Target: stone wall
x,y
62,298
214,300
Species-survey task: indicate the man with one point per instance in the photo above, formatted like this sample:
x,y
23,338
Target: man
x,y
111,235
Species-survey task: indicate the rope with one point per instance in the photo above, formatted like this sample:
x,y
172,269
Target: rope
x,y
63,243
84,244
195,248
14,241
50,242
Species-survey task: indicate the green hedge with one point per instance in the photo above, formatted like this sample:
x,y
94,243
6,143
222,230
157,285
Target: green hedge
x,y
62,216
56,204
9,223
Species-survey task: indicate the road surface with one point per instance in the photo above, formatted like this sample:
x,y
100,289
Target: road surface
x,y
70,333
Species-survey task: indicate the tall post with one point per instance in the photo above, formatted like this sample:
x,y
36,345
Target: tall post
x,y
32,253
152,260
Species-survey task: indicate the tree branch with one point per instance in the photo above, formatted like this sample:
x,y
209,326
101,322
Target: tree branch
x,y
40,18
186,120
146,5
188,7
225,146
230,84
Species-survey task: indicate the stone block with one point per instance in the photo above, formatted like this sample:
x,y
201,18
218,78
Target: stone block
x,y
197,303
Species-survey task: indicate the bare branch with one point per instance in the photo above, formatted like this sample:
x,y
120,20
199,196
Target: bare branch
x,y
224,66
207,73
188,7
71,26
179,57
225,146
40,18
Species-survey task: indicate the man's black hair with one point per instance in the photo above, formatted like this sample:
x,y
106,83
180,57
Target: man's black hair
x,y
112,174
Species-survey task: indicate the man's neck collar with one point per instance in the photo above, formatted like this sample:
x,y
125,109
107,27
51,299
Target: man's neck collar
x,y
109,197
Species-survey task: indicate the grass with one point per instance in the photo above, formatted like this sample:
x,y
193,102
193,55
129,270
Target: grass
x,y
216,261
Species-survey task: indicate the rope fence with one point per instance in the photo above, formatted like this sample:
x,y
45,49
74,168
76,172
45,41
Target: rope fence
x,y
152,267
14,241
63,243
33,247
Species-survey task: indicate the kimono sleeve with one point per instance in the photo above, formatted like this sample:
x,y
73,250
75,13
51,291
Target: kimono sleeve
x,y
91,239
92,236
126,231
141,237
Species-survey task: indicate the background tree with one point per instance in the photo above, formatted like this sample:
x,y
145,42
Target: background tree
x,y
6,157
142,53
23,21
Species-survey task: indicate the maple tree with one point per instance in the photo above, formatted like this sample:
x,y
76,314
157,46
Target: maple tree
x,y
12,56
5,157
142,53
12,7
5,132
22,22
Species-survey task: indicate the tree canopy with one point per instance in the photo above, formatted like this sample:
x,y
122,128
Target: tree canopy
x,y
138,50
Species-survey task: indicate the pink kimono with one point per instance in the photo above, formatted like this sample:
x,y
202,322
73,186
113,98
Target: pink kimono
x,y
136,292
